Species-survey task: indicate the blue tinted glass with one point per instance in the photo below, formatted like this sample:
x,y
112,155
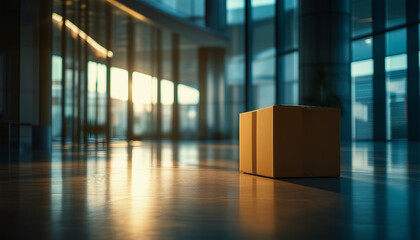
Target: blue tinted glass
x,y
263,64
362,99
235,11
188,94
290,24
396,42
192,9
361,11
235,69
395,12
119,97
362,49
396,83
290,84
56,94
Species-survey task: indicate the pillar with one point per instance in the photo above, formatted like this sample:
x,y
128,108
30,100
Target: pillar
x,y
175,79
413,87
216,14
379,84
41,135
211,86
324,57
130,69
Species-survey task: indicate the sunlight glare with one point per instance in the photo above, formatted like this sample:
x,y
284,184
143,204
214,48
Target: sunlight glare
x,y
119,84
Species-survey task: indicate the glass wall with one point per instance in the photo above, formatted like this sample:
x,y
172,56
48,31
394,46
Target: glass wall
x,y
71,67
188,94
137,59
119,77
395,13
264,52
56,88
362,89
194,10
97,73
389,90
119,74
166,85
361,15
290,76
235,70
163,73
267,53
289,56
396,82
69,74
96,99
144,91
119,98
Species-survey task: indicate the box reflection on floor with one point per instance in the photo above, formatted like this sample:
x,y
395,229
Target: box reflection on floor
x,y
290,141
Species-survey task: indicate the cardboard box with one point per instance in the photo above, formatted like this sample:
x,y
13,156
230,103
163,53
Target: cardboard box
x,y
247,139
290,141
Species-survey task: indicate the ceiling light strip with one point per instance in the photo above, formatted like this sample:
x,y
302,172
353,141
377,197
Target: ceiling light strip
x,y
130,11
103,52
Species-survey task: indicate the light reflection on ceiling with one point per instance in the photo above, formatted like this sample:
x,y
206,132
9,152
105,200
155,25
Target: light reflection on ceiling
x,y
99,50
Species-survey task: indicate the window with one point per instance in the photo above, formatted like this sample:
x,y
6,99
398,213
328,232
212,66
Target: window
x,y
396,82
144,96
235,69
395,13
56,95
362,89
188,95
290,84
119,97
361,17
264,52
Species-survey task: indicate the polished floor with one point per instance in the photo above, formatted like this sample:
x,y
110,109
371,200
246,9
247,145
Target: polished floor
x,y
190,190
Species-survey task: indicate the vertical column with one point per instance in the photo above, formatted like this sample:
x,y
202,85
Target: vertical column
x,y
216,14
130,69
324,56
79,75
108,43
10,47
279,39
220,93
202,79
175,77
153,74
379,85
211,87
158,78
248,56
74,44
85,68
413,88
97,29
63,71
42,132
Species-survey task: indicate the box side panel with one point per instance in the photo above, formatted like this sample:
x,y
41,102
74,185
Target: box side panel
x,y
288,141
245,142
325,142
265,142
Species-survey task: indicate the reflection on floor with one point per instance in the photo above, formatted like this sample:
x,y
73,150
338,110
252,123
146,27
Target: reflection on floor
x,y
194,191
